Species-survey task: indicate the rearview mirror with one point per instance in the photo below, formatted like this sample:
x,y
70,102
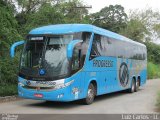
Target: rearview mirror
x,y
12,50
71,46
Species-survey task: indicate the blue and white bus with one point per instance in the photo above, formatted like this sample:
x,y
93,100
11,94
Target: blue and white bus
x,y
68,62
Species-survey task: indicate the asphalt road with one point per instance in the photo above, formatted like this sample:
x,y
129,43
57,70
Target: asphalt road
x,y
142,101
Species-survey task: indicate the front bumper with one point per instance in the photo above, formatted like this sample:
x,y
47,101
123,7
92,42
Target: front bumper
x,y
61,94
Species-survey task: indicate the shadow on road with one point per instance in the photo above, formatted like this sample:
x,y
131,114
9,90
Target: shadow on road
x,y
78,103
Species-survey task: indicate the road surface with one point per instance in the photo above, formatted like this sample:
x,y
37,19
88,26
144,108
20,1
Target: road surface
x,y
142,101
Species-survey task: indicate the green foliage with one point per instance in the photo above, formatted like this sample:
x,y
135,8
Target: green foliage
x,y
156,28
135,29
51,13
73,14
153,70
153,51
9,70
7,90
8,24
112,18
46,15
148,24
158,101
8,35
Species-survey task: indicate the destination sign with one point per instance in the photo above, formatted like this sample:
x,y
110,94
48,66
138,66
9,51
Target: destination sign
x,y
36,38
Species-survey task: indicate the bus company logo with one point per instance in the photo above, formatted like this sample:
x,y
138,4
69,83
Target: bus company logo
x,y
123,74
28,82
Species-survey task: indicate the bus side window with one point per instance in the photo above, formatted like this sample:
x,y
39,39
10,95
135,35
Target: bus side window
x,y
96,47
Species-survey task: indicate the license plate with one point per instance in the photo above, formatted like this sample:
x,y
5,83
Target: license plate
x,y
38,95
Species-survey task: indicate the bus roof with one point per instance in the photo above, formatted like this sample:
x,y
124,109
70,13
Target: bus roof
x,y
71,28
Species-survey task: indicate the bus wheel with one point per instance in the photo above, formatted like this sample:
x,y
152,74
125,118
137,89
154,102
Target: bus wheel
x,y
90,95
133,86
137,85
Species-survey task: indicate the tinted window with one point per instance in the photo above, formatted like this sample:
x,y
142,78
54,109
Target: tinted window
x,y
105,46
96,47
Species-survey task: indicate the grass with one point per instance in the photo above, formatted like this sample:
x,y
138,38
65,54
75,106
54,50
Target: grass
x,y
7,90
158,101
153,70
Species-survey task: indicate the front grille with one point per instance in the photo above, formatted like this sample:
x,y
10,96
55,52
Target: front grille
x,y
38,88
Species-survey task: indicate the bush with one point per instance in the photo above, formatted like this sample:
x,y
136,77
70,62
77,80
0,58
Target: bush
x,y
153,51
8,70
8,75
158,101
153,70
7,90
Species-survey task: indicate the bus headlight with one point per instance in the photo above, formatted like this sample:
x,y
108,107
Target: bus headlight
x,y
59,86
20,84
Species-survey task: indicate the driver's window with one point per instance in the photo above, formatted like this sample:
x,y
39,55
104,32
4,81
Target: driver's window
x,y
76,59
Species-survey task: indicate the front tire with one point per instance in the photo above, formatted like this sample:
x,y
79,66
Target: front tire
x,y
91,93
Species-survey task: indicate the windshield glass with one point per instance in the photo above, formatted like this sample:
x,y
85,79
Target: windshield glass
x,y
55,57
32,53
48,53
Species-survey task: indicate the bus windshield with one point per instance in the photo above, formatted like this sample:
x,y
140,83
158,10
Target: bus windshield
x,y
48,53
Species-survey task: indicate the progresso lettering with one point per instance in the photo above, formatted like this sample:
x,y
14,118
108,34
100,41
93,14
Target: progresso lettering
x,y
102,63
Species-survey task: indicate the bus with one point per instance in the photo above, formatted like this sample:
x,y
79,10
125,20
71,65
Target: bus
x,y
67,62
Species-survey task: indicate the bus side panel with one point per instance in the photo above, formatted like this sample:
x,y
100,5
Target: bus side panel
x,y
138,69
103,71
114,78
77,88
143,75
124,73
143,72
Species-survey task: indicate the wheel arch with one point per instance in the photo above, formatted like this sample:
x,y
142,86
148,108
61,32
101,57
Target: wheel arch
x,y
94,82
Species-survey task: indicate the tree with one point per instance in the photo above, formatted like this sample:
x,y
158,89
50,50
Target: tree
x,y
8,35
74,12
112,18
134,30
149,23
51,13
156,28
9,26
29,7
142,26
153,51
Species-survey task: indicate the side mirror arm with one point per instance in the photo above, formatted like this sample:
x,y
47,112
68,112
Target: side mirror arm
x,y
12,50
